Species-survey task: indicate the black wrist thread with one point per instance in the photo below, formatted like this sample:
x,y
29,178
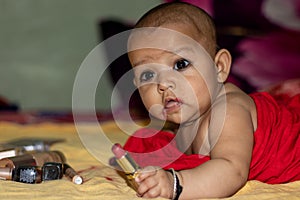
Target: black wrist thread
x,y
177,187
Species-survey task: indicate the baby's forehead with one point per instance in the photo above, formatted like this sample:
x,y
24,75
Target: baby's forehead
x,y
162,38
162,44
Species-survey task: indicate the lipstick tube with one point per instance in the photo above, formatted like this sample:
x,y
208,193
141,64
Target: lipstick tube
x,y
128,165
6,173
34,159
12,152
72,174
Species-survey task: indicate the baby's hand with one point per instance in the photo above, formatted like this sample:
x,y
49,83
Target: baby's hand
x,y
154,182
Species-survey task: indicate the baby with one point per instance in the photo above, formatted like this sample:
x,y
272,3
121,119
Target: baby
x,y
181,76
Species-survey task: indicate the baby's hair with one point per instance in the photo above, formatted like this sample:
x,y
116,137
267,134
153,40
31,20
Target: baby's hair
x,y
181,12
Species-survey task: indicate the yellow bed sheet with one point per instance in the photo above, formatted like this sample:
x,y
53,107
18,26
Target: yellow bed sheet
x,y
101,181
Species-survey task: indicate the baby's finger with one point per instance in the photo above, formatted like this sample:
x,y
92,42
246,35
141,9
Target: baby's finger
x,y
147,186
152,193
146,172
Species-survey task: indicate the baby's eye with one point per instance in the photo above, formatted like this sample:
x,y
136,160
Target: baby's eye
x,y
181,64
146,76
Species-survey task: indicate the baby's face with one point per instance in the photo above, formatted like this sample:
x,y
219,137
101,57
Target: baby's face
x,y
175,76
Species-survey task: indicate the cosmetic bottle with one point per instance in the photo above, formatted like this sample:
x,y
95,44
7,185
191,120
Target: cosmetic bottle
x,y
23,174
34,159
52,171
27,174
32,174
128,165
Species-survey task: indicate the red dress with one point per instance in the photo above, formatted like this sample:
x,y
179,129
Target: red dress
x,y
276,151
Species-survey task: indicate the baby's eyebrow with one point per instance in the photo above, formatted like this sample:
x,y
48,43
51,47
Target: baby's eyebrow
x,y
176,52
181,49
140,62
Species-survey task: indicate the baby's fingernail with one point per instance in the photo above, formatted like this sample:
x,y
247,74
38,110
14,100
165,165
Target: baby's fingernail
x,y
137,179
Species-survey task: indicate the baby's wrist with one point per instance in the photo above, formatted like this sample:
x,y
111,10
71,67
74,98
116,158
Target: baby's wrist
x,y
177,188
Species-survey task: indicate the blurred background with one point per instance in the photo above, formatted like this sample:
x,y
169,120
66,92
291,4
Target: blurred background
x,y
44,42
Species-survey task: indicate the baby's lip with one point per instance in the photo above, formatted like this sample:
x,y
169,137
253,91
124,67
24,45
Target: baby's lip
x,y
171,102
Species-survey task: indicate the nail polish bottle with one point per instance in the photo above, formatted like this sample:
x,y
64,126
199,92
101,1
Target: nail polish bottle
x,y
27,174
23,174
32,174
52,171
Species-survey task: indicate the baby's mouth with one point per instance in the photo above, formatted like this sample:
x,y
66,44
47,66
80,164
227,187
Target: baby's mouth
x,y
172,104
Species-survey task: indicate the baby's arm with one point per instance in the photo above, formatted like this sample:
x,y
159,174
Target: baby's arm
x,y
228,169
222,176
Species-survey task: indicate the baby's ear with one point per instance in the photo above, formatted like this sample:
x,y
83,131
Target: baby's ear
x,y
223,64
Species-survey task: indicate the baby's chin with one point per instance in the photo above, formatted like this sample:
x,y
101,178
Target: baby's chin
x,y
157,111
164,116
160,116
176,119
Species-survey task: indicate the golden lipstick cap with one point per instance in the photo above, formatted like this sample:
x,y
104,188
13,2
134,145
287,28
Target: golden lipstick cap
x,y
6,173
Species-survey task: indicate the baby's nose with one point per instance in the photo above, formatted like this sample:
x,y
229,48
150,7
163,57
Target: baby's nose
x,y
166,82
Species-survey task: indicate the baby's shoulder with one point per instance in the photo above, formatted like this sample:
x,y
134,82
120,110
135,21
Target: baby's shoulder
x,y
238,101
235,96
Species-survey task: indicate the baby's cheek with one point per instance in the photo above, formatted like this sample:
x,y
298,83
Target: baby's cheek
x,y
148,97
